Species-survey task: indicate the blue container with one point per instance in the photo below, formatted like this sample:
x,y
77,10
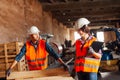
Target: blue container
x,y
106,55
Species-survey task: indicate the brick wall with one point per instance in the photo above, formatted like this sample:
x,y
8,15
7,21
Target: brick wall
x,y
17,16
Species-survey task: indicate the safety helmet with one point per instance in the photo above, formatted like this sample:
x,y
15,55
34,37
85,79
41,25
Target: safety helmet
x,y
33,30
81,22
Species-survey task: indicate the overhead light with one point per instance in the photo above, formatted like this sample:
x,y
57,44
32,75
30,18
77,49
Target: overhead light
x,y
68,19
64,14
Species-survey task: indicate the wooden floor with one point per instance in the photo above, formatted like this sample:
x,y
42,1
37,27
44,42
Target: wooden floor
x,y
110,75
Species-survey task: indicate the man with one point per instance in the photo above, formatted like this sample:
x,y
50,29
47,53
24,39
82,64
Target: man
x,y
35,51
87,60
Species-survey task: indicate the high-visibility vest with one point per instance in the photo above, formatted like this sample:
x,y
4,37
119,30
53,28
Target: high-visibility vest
x,y
83,63
36,59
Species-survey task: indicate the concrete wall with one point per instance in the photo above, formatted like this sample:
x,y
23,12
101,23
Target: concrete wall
x,y
17,16
72,36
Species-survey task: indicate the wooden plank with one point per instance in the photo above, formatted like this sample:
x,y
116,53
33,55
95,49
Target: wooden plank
x,y
52,78
6,56
2,56
11,47
38,73
2,74
2,61
8,51
2,67
17,51
11,44
11,56
81,5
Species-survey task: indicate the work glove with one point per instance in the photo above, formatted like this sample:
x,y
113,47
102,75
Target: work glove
x,y
73,73
65,66
8,71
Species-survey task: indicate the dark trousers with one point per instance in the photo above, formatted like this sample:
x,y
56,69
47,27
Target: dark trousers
x,y
87,76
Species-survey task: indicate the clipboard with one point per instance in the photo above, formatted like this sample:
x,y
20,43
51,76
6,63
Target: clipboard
x,y
97,45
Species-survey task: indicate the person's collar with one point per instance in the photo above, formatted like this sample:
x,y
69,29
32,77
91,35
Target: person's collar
x,y
89,37
37,42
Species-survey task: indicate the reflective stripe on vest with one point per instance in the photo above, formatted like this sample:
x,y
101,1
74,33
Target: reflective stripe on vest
x,y
36,59
39,59
36,65
83,63
89,65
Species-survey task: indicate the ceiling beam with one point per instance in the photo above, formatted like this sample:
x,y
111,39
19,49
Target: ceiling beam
x,y
90,18
52,1
95,24
88,9
88,15
102,24
98,21
105,23
87,12
99,12
79,5
66,1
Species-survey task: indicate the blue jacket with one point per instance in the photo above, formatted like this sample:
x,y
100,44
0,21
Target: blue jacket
x,y
48,49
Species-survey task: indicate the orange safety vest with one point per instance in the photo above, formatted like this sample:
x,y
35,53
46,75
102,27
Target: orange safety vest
x,y
36,59
83,63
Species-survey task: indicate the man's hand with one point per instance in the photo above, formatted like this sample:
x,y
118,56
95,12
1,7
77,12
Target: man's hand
x,y
93,53
73,73
8,71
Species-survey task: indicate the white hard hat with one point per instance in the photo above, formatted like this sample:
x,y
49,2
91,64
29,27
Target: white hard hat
x,y
33,30
81,22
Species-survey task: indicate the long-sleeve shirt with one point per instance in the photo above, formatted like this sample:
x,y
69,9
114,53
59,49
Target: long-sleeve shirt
x,y
48,49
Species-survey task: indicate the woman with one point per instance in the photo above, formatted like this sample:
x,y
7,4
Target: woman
x,y
87,60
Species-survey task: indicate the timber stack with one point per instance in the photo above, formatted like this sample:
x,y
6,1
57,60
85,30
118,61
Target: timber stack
x,y
8,51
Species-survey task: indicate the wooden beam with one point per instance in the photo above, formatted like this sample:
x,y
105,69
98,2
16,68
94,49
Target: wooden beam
x,y
2,74
103,24
72,20
95,23
87,12
91,18
52,1
87,9
102,16
82,5
66,0
52,78
39,73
